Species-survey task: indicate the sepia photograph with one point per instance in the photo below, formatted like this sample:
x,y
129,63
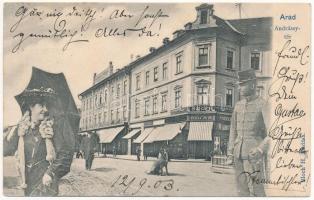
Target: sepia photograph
x,y
156,99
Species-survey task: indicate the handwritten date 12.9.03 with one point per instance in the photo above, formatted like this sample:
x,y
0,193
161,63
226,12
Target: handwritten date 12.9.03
x,y
127,182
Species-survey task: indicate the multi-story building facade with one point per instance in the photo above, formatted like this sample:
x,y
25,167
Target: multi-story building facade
x,y
182,94
105,108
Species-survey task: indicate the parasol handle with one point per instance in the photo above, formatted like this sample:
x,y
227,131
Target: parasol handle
x,y
21,162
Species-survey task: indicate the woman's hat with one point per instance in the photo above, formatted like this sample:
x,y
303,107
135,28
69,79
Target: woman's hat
x,y
36,95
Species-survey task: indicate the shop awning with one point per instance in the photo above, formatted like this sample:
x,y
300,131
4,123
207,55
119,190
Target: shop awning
x,y
131,134
108,135
143,135
200,131
164,133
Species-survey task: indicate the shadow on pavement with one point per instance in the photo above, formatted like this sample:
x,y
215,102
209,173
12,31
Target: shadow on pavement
x,y
10,182
103,169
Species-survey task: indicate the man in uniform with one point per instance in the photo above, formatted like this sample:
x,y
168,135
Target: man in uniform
x,y
248,141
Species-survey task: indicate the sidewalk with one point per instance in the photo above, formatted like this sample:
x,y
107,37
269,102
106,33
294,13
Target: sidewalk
x,y
134,158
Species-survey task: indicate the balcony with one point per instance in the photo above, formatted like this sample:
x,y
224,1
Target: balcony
x,y
201,109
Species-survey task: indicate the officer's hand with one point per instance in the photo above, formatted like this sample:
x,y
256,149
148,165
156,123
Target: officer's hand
x,y
47,180
229,160
255,154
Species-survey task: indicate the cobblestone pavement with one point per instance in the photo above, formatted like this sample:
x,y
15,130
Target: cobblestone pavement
x,y
115,177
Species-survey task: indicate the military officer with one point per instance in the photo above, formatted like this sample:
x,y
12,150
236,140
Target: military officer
x,y
248,141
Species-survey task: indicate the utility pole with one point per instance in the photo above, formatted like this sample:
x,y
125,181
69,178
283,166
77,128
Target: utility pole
x,y
239,5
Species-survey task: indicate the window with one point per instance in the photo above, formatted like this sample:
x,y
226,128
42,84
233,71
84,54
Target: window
x,y
229,97
164,102
106,96
178,96
100,98
146,107
260,91
229,59
203,17
164,70
216,143
137,109
118,89
124,113
111,116
95,119
105,117
179,63
99,118
202,94
138,81
112,90
156,74
155,105
255,60
147,78
96,103
203,55
125,85
118,115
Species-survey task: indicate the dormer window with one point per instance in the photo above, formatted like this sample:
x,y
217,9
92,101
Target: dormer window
x,y
204,14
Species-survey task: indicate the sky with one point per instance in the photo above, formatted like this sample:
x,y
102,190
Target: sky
x,y
82,59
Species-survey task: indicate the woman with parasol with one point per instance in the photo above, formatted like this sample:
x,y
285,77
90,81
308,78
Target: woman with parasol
x,y
44,139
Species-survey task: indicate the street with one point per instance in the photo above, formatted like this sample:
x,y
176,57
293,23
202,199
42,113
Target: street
x,y
117,177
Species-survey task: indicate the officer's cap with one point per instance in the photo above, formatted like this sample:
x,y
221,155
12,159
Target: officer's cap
x,y
246,75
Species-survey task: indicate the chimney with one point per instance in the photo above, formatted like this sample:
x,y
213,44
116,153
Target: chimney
x,y
188,26
110,68
165,41
152,49
94,78
177,33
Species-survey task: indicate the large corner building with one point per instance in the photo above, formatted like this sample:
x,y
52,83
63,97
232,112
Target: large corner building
x,y
181,94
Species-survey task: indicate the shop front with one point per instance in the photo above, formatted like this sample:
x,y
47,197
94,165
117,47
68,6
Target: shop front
x,y
200,139
167,136
111,141
130,138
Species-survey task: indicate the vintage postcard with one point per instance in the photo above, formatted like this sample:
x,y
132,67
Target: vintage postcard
x,y
156,99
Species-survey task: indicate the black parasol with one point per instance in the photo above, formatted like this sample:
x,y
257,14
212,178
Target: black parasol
x,y
64,107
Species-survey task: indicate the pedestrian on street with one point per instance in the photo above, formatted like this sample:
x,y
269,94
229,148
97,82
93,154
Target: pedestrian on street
x,y
138,153
42,142
89,146
114,151
248,142
104,151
